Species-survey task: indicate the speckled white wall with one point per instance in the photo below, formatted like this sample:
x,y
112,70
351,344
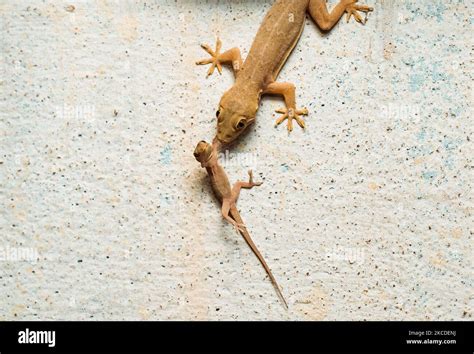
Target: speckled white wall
x,y
106,214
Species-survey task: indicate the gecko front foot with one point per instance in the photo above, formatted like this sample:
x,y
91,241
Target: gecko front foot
x,y
251,182
290,114
352,10
230,57
214,59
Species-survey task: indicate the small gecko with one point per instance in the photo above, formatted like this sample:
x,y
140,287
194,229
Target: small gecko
x,y
206,154
274,42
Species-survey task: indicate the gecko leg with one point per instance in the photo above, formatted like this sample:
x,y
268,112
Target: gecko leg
x,y
290,112
326,20
232,57
226,204
239,185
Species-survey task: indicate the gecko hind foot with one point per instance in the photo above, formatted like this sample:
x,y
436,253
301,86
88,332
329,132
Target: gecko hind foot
x,y
239,227
290,114
214,59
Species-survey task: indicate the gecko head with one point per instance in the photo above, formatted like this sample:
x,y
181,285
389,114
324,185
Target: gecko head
x,y
235,114
203,152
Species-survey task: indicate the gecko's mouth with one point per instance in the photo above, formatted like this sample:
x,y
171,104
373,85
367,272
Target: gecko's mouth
x,y
224,139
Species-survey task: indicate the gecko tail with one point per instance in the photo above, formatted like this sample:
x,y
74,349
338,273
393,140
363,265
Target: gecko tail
x,y
280,294
275,285
234,213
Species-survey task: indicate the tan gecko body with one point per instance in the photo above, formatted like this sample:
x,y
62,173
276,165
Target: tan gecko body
x,y
275,39
206,154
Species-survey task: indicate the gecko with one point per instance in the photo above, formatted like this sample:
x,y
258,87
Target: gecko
x,y
206,154
274,42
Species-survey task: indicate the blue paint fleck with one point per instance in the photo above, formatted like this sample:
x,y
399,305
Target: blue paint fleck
x,y
421,136
429,175
416,81
449,162
166,155
450,144
437,9
436,74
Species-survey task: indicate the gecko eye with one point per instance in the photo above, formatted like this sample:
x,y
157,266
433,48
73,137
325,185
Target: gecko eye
x,y
219,116
241,124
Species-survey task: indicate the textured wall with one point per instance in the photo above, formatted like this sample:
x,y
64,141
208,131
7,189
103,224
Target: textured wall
x,y
106,215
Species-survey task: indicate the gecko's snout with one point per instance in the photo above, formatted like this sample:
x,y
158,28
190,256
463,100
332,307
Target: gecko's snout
x,y
223,138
